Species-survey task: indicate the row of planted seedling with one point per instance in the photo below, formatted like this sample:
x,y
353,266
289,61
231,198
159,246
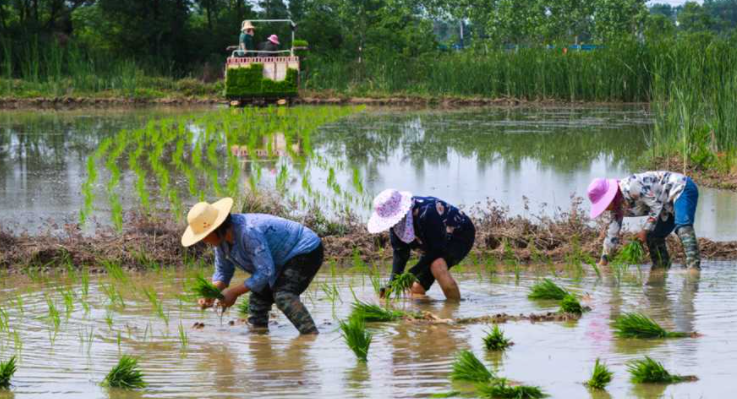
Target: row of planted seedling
x,y
204,153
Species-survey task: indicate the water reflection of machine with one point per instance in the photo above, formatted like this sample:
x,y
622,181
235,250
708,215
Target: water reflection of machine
x,y
274,145
259,76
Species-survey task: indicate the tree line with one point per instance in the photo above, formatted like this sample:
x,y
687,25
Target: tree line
x,y
178,34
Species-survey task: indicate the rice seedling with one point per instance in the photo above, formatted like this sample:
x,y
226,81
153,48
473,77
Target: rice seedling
x,y
115,270
114,297
68,297
570,304
183,339
496,341
467,367
125,375
17,342
118,340
109,319
4,320
370,312
158,306
19,304
53,318
203,288
7,370
85,280
402,283
547,289
500,389
331,293
450,394
632,253
647,370
356,337
637,325
600,376
244,307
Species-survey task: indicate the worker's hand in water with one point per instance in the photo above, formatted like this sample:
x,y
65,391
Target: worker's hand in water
x,y
602,262
642,236
230,295
205,303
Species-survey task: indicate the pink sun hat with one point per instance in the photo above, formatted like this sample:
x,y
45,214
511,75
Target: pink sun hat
x,y
390,206
601,193
274,39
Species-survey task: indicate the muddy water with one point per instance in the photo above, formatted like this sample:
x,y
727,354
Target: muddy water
x,y
463,156
405,359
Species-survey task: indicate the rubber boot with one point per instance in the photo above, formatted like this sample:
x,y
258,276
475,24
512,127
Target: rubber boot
x,y
296,312
690,246
658,252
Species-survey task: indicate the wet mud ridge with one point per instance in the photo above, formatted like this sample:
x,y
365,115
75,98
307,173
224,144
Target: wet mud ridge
x,y
147,242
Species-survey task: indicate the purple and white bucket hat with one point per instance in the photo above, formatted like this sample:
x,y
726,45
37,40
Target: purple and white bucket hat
x,y
390,207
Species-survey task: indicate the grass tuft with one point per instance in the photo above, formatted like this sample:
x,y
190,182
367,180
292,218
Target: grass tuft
x,y
637,325
648,370
355,335
467,367
371,312
496,341
202,288
600,376
500,389
125,374
7,370
547,289
570,304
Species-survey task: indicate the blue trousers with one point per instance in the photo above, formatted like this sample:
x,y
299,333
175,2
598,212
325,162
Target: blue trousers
x,y
685,211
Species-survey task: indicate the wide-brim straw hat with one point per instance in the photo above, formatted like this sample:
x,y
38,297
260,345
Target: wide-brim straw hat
x,y
204,218
601,193
246,25
390,206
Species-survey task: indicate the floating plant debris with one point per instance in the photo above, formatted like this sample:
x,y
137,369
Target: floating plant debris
x,y
467,367
355,335
126,374
496,341
600,376
647,370
500,389
570,304
371,312
7,370
547,289
637,325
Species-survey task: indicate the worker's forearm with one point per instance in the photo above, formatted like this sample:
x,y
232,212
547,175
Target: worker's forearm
x,y
220,285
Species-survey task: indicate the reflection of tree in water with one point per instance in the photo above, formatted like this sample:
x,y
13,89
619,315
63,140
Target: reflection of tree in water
x,y
562,141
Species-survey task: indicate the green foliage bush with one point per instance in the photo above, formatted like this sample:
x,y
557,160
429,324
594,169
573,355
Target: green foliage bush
x,y
249,82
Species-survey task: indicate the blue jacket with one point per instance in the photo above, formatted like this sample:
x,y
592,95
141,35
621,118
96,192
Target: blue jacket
x,y
262,245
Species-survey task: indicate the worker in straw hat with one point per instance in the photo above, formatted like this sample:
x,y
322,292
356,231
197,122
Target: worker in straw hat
x,y
668,200
443,234
282,257
245,42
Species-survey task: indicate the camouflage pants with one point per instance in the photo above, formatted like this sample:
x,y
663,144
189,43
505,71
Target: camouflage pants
x,y
690,246
295,277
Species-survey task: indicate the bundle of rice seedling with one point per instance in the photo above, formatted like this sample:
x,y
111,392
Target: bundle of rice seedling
x,y
244,307
547,289
495,340
371,312
450,394
125,374
203,288
467,367
637,325
648,370
500,389
402,283
633,253
600,376
7,370
570,304
355,335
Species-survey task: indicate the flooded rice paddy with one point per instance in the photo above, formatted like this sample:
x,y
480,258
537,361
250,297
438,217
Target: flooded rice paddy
x,y
406,359
531,160
68,330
